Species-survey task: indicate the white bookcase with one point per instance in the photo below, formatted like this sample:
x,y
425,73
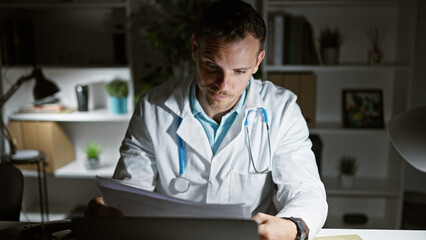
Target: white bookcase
x,y
76,42
378,189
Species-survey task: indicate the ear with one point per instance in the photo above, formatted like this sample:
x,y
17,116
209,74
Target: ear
x,y
194,46
259,59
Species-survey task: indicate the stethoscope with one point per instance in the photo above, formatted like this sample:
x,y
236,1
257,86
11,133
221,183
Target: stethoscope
x,y
182,184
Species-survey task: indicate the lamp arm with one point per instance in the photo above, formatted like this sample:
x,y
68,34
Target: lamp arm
x,y
3,100
8,136
14,88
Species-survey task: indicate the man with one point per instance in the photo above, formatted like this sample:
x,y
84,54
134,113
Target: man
x,y
223,137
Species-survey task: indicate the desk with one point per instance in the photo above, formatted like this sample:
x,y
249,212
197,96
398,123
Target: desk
x,y
375,234
365,234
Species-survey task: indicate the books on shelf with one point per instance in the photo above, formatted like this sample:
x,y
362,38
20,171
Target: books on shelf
x,y
304,86
17,41
45,108
290,40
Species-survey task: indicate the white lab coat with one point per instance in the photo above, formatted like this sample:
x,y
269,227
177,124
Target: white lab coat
x,y
149,153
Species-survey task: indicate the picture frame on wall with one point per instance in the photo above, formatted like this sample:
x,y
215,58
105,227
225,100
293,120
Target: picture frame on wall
x,y
362,108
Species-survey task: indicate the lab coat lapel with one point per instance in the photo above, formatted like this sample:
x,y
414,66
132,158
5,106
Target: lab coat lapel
x,y
190,129
192,133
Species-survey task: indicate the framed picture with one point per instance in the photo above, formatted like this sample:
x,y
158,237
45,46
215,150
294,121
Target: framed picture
x,y
362,108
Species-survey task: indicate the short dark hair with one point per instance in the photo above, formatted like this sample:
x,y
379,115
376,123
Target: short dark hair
x,y
231,20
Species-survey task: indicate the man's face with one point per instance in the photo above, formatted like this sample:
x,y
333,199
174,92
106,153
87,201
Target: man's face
x,y
223,71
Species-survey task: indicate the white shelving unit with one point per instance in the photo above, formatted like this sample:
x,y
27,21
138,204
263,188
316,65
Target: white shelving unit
x,y
75,44
379,181
97,115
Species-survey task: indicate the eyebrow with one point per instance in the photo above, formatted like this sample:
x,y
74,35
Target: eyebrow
x,y
235,69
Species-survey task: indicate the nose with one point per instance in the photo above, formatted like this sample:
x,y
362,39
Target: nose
x,y
222,81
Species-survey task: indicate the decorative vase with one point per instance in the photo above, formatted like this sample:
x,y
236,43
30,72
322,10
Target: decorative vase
x,y
375,56
92,163
347,180
118,105
330,55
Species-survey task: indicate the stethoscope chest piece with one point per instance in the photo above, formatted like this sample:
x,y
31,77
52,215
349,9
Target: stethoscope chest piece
x,y
181,184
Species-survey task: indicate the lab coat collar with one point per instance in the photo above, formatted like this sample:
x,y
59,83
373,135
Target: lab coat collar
x,y
178,102
253,101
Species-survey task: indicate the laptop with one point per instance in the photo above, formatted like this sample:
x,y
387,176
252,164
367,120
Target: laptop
x,y
163,228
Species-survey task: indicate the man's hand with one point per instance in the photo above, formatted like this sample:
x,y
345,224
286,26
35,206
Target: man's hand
x,y
271,227
97,208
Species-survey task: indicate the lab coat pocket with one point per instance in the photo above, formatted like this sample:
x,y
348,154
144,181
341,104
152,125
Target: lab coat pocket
x,y
247,188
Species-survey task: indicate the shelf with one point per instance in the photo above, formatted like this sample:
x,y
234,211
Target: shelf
x,y
100,115
64,66
335,68
364,187
62,5
273,5
32,213
372,223
336,128
76,169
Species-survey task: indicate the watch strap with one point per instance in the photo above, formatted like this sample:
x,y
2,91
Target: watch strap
x,y
302,229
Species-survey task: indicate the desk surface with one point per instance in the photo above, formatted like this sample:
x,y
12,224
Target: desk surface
x,y
365,234
374,234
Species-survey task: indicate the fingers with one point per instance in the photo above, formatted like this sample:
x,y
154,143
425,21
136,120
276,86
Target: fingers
x,y
97,207
271,227
260,218
263,227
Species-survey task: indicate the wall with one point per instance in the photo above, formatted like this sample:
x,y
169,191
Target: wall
x,y
414,179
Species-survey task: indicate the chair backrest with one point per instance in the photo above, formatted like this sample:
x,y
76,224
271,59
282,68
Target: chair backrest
x,y
11,190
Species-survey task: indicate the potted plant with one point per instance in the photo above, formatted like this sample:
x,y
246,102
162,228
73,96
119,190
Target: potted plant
x,y
162,26
330,41
347,169
118,90
93,151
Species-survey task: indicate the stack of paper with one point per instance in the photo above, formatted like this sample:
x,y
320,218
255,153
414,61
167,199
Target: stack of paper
x,y
135,202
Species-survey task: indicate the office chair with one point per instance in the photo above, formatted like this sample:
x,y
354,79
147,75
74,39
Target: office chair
x,y
11,190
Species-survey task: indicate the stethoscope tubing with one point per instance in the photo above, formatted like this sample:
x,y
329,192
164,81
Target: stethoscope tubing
x,y
184,183
181,154
266,121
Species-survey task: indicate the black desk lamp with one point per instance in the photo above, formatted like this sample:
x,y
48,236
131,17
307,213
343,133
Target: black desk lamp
x,y
43,90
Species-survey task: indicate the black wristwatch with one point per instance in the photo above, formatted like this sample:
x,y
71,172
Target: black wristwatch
x,y
301,230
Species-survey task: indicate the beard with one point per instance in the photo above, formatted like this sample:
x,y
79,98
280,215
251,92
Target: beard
x,y
219,100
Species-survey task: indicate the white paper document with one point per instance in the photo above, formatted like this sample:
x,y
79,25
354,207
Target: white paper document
x,y
135,202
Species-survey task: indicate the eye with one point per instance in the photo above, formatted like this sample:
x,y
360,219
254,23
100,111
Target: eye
x,y
211,66
240,72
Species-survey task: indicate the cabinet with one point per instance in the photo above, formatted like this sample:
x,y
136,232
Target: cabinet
x,y
378,188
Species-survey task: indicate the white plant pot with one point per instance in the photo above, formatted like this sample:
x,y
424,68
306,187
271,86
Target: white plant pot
x,y
330,56
92,163
347,180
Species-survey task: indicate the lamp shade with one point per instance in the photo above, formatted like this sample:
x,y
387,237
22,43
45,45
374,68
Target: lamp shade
x,y
408,134
43,87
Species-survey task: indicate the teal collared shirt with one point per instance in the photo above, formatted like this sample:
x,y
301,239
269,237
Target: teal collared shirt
x,y
215,132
